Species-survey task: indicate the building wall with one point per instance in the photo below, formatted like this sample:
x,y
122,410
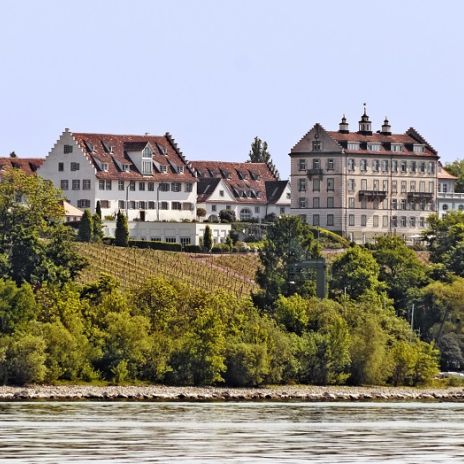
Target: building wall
x,y
357,218
181,232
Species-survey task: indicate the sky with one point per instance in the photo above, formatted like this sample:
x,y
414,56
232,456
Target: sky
x,y
215,74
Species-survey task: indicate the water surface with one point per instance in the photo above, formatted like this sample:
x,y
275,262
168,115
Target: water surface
x,y
137,432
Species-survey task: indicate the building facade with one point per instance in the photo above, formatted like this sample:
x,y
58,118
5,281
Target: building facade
x,y
447,199
145,176
364,183
251,190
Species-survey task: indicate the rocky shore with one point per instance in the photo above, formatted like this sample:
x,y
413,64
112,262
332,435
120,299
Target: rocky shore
x,y
271,393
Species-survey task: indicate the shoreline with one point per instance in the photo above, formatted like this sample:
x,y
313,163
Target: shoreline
x,y
295,393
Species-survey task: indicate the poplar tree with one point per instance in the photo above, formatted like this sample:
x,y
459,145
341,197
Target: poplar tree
x,y
208,239
86,227
121,236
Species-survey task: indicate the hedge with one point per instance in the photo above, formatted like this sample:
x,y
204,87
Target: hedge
x,y
155,245
192,248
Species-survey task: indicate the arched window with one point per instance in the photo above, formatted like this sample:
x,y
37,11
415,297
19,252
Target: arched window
x,y
245,214
146,152
445,207
213,218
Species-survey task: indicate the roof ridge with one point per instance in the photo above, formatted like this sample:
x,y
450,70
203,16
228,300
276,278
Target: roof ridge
x,y
412,132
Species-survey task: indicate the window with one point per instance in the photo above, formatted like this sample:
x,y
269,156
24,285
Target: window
x,y
376,203
104,203
67,149
353,145
108,185
394,221
176,187
422,167
151,186
363,220
396,147
316,145
120,185
363,184
363,165
86,184
394,203
316,185
351,202
163,169
132,185
418,148
302,185
164,187
64,185
164,205
171,240
403,166
351,185
394,166
316,163
83,203
105,167
185,241
431,167
376,165
403,204
301,202
413,166
422,186
214,208
156,239
384,165
141,186
221,192
351,164
315,219
76,184
257,209
147,167
351,220
363,203
151,205
75,166
375,221
444,188
228,207
385,221
373,146
142,205
330,219
282,210
301,165
245,214
121,204
330,165
385,185
330,184
146,152
412,221
101,185
422,222
61,167
188,187
404,220
403,186
431,186
131,204
316,203
376,185
330,202
126,167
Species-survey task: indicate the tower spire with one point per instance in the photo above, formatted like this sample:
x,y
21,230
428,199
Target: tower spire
x,y
365,123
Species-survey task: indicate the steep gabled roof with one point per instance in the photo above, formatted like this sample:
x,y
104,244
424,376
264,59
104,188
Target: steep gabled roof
x,y
246,181
275,189
112,150
444,174
27,165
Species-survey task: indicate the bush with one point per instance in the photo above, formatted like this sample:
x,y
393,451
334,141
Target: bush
x,y
192,248
227,216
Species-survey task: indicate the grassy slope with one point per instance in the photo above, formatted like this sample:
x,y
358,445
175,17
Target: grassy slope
x,y
131,266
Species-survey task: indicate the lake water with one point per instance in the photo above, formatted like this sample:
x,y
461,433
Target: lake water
x,y
137,432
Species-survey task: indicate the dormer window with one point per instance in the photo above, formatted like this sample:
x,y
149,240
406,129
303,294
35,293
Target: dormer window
x,y
105,167
163,169
417,148
180,169
373,146
396,147
147,167
146,152
353,145
126,167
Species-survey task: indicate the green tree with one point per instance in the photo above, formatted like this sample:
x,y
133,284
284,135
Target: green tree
x,y
355,273
207,239
97,228
259,154
98,210
288,244
121,236
456,168
85,227
201,212
227,215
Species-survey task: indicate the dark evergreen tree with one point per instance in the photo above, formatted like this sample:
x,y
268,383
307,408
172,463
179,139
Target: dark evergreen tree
x,y
208,239
227,215
97,228
98,210
259,154
121,236
86,227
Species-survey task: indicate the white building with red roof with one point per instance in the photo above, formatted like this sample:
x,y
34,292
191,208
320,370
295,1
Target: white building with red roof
x,y
251,190
146,176
447,199
364,183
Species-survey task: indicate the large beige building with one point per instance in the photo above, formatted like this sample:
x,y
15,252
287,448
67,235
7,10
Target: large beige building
x,y
364,183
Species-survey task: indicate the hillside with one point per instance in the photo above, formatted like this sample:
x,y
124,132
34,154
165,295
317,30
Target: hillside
x,y
131,266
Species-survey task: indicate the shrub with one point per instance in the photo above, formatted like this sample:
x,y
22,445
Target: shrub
x,y
155,245
227,216
192,248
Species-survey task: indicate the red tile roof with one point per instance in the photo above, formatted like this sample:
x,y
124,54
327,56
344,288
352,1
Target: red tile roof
x,y
27,165
444,174
112,149
246,181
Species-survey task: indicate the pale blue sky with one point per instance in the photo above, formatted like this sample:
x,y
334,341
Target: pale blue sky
x,y
217,73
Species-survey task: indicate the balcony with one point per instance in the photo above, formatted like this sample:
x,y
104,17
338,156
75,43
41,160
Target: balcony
x,y
373,194
450,196
314,172
420,196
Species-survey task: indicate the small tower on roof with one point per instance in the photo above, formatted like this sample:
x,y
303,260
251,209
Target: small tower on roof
x,y
386,128
343,126
365,125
